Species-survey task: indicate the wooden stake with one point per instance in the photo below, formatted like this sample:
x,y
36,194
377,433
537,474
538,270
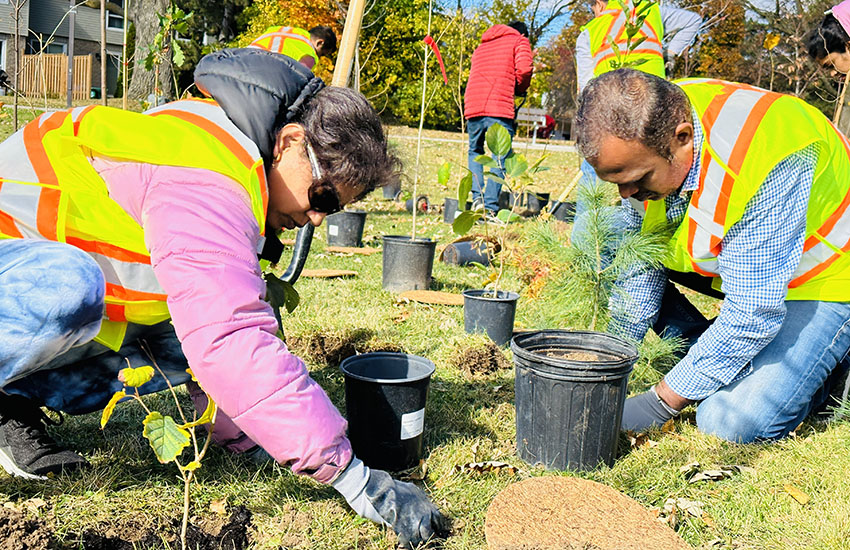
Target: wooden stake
x,y
838,108
348,43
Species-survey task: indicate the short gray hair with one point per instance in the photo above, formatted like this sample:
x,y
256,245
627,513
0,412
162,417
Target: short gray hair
x,y
630,105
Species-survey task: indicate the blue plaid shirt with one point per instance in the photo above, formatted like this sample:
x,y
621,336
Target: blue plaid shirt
x,y
758,257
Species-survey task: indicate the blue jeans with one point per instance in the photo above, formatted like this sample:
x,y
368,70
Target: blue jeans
x,y
51,306
477,127
784,383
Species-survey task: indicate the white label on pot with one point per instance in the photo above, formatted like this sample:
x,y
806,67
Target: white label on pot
x,y
412,424
333,230
457,213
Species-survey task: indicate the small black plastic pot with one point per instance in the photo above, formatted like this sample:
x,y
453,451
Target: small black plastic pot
x,y
385,395
535,202
450,210
465,253
391,192
563,211
570,391
422,204
491,314
507,200
346,228
407,263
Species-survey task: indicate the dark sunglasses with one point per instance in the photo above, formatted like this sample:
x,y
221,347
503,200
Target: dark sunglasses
x,y
322,195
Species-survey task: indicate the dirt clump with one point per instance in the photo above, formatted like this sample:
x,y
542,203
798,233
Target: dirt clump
x,y
483,358
331,348
565,513
20,532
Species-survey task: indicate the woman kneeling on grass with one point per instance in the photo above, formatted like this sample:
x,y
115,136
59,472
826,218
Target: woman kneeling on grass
x,y
114,222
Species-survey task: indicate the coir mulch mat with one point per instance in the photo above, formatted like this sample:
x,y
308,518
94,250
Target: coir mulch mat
x,y
432,297
360,251
327,273
566,513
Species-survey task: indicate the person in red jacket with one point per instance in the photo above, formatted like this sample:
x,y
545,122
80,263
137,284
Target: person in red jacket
x,y
501,69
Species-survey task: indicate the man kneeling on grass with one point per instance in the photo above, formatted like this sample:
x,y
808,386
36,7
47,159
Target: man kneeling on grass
x,y
755,186
121,227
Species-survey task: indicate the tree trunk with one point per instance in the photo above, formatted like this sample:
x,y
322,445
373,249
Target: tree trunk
x,y
147,26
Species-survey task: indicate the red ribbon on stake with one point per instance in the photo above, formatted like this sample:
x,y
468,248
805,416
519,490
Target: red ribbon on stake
x,y
430,41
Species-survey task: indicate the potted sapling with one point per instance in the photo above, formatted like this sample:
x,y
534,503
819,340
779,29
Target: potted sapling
x,y
450,205
492,309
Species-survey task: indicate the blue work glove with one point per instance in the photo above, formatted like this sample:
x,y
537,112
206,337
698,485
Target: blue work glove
x,y
374,495
646,410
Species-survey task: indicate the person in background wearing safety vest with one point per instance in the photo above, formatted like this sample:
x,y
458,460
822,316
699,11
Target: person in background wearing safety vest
x,y
305,47
669,32
500,69
129,235
755,186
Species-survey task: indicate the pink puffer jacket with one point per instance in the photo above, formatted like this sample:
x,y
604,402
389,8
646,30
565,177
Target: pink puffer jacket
x,y
501,68
203,243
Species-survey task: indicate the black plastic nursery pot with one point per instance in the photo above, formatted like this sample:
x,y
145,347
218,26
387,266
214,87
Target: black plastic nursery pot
x,y
536,202
563,211
407,263
346,228
570,390
422,204
492,314
390,192
385,396
507,200
466,253
450,209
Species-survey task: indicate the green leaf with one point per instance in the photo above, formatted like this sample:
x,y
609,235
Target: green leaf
x,y
636,62
498,140
486,160
624,5
507,216
463,189
167,439
110,407
616,48
134,378
495,177
536,166
206,418
149,61
464,222
177,56
638,43
443,173
281,293
516,165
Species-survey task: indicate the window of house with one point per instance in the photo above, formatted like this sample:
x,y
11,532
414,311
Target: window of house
x,y
113,20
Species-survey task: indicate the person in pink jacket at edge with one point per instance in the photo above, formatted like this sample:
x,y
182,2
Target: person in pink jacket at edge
x,y
321,148
501,68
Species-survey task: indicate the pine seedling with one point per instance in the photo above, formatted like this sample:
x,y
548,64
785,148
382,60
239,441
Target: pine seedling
x,y
167,438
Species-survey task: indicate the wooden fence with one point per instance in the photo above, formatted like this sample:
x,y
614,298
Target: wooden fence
x,y
50,72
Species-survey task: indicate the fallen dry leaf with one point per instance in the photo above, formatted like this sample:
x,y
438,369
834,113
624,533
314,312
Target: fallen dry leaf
x,y
639,440
694,474
668,427
419,472
35,503
797,494
692,507
488,466
219,506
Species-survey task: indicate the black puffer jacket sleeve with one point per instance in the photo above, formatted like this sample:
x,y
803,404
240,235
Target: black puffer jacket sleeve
x,y
258,90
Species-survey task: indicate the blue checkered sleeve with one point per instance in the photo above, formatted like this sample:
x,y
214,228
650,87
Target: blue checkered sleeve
x,y
758,258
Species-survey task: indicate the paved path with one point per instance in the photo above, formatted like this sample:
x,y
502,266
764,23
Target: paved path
x,y
565,146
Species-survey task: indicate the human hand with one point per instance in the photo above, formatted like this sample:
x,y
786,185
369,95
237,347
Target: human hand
x,y
646,410
374,495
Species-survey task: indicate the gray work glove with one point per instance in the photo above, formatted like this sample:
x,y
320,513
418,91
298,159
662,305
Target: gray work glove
x,y
374,495
646,410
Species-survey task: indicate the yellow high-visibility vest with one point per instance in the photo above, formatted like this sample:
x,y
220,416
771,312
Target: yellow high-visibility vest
x,y
49,189
748,131
289,41
611,24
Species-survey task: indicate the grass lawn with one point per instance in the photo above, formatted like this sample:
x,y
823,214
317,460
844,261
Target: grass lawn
x,y
469,417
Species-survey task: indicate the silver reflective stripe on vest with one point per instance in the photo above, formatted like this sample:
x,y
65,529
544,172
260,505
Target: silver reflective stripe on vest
x,y
130,275
19,200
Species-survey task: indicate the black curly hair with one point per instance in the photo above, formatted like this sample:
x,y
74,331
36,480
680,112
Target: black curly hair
x,y
829,37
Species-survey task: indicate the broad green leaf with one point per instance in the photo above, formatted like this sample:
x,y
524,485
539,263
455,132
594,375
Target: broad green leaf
x,y
206,418
485,160
507,216
498,140
177,56
464,222
134,378
463,189
192,466
495,177
110,407
281,293
516,165
167,439
444,173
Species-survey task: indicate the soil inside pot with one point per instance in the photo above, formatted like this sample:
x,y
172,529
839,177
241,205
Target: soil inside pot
x,y
569,355
549,513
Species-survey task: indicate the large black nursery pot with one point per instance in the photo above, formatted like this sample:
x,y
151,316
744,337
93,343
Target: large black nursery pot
x,y
346,228
450,209
563,211
385,396
491,313
570,390
466,253
407,263
391,192
535,202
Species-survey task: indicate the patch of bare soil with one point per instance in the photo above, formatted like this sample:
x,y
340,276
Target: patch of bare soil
x,y
480,359
331,348
18,531
229,534
565,513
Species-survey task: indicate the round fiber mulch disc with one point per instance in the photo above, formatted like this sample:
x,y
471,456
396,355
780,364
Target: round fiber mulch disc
x,y
562,513
433,297
328,273
363,251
